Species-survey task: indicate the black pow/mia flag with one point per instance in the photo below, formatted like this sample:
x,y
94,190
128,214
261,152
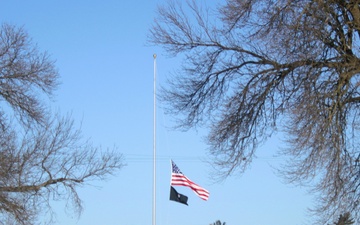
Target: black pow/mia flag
x,y
175,196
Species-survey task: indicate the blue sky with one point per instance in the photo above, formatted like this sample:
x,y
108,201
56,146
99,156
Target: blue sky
x,y
106,70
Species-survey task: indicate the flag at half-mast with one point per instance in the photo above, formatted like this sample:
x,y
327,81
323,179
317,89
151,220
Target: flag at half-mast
x,y
179,179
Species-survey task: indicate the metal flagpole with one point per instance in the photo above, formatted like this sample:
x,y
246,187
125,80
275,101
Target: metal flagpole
x,y
154,150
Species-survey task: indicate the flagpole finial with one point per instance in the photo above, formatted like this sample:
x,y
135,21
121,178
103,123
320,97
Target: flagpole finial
x,y
154,56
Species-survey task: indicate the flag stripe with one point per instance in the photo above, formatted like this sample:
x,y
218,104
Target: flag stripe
x,y
182,180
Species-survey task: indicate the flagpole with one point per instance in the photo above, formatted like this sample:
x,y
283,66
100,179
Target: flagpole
x,y
154,149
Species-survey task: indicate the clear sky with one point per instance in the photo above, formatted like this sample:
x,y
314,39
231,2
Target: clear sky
x,y
106,70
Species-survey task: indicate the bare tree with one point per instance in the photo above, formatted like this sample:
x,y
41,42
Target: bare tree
x,y
255,67
344,219
218,222
48,163
25,76
42,157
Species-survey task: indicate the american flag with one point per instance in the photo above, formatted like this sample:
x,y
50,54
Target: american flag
x,y
179,179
